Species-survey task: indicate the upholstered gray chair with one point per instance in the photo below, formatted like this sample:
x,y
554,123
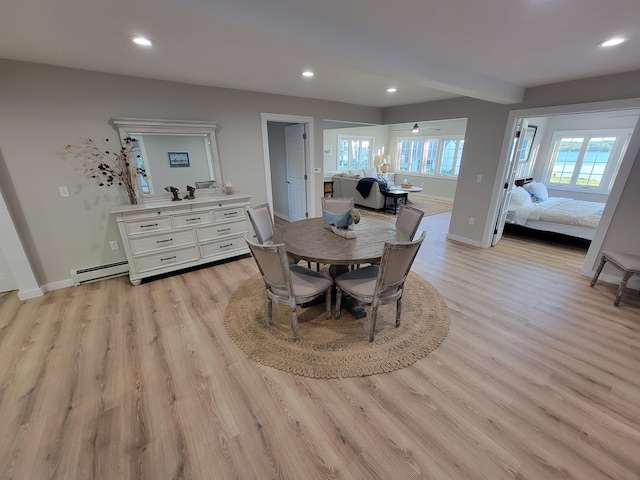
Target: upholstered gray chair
x,y
337,204
287,284
408,220
380,284
262,223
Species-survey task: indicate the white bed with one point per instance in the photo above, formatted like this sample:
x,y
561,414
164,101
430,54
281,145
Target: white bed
x,y
567,216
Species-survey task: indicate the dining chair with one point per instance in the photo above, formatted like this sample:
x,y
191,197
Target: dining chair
x,y
337,204
287,284
408,220
380,284
262,223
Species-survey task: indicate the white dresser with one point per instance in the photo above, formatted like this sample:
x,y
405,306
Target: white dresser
x,y
166,236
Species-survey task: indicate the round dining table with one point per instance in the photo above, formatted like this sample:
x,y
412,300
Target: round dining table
x,y
312,240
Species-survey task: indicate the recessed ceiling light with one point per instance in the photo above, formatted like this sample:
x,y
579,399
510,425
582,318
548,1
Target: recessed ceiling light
x,y
392,89
613,42
143,41
307,73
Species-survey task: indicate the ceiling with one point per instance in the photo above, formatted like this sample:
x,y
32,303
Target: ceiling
x,y
429,50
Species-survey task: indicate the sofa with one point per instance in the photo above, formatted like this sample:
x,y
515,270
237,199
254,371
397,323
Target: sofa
x,y
344,185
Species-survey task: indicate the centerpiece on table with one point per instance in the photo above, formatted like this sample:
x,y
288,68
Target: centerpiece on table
x,y
108,167
340,222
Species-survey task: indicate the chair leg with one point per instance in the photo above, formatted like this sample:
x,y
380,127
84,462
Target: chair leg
x,y
338,301
603,260
623,285
374,317
294,322
328,302
398,311
269,311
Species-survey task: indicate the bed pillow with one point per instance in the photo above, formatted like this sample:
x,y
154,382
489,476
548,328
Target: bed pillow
x,y
540,190
534,198
519,197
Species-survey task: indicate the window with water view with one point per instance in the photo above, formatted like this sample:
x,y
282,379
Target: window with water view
x,y
586,161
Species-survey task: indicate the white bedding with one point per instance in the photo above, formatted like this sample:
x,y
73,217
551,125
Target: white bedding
x,y
559,210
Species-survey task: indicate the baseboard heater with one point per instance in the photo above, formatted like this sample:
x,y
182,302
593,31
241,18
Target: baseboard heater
x,y
100,272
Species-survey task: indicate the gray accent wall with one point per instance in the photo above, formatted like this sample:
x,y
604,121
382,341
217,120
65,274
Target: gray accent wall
x,y
43,107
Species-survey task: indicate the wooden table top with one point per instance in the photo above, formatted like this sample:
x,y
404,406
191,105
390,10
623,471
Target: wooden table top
x,y
312,240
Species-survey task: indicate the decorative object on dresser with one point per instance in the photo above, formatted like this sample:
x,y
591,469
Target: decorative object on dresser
x,y
164,236
110,167
191,193
174,191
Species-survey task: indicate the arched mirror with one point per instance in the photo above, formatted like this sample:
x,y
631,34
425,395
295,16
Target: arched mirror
x,y
173,153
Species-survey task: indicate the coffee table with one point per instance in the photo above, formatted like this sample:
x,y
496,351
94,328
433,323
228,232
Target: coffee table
x,y
395,195
411,189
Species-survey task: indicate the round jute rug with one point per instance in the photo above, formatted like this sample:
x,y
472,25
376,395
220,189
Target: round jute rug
x,y
330,348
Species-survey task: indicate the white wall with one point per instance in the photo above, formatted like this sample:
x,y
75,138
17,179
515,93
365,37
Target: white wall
x,y
386,137
379,133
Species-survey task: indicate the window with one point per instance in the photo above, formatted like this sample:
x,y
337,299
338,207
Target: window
x,y
430,156
354,152
586,160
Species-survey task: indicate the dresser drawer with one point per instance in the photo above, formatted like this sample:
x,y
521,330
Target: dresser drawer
x,y
191,219
148,225
222,247
166,259
228,214
150,243
211,232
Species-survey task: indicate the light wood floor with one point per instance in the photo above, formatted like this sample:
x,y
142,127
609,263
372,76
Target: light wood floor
x,y
539,378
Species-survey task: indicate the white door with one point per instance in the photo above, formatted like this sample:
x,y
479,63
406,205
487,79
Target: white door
x,y
7,282
512,168
295,137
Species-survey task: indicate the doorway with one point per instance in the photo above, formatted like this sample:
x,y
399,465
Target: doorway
x,y
288,147
579,114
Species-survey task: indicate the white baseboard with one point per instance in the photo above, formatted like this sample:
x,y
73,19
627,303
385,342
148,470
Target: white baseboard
x,y
465,240
49,287
33,293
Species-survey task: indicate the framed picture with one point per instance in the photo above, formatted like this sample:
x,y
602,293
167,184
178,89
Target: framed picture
x,y
327,150
179,159
529,135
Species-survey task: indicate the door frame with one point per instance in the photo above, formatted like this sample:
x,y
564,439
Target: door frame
x,y
309,157
16,257
616,190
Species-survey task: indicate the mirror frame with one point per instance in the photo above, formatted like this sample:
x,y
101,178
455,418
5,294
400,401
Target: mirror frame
x,y
171,127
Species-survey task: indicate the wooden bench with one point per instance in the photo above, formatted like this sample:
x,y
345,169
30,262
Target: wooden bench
x,y
629,264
